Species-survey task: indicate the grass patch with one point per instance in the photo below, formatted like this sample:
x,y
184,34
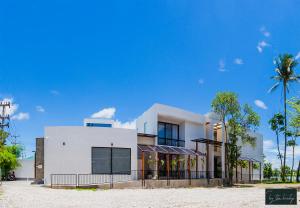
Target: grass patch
x,y
86,189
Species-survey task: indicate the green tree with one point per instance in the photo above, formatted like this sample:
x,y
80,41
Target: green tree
x,y
277,125
9,158
268,173
225,105
237,122
294,124
292,143
285,74
239,125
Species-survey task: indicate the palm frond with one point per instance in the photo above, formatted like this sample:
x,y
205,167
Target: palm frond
x,y
279,78
274,87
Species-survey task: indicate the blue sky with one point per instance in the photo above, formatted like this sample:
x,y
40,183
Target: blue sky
x,y
74,58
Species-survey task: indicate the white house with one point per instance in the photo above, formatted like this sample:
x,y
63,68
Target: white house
x,y
168,143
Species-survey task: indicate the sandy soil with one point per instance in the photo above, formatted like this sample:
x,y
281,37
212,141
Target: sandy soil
x,y
21,194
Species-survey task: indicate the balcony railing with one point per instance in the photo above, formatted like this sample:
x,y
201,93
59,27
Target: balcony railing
x,y
171,142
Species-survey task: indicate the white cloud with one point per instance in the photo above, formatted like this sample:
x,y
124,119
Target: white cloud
x,y
260,104
222,66
54,92
125,125
238,61
201,81
297,56
261,45
105,113
40,109
264,31
20,116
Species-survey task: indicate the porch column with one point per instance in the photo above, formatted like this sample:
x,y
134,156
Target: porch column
x,y
236,166
241,172
260,171
189,166
207,160
168,166
143,167
223,153
157,164
249,171
197,159
178,166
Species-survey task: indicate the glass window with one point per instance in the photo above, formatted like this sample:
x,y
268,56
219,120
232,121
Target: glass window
x,y
168,134
175,132
101,162
169,131
107,160
121,161
161,130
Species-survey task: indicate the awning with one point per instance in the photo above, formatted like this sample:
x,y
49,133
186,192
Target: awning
x,y
209,141
169,150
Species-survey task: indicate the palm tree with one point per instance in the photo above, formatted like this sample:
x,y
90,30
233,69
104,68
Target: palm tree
x,y
277,125
285,74
292,143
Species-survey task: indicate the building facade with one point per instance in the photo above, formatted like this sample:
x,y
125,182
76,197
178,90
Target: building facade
x,y
168,144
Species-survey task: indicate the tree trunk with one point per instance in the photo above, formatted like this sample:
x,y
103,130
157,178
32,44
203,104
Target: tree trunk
x,y
298,172
292,170
285,128
226,149
279,153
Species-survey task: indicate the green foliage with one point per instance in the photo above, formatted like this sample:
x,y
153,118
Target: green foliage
x,y
255,166
3,137
294,103
225,104
268,173
9,158
291,143
277,122
285,71
243,163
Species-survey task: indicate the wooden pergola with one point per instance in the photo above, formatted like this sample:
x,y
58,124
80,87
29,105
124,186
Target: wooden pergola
x,y
250,164
167,150
207,142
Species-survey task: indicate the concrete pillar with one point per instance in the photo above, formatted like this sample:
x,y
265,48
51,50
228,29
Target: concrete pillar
x,y
39,161
223,153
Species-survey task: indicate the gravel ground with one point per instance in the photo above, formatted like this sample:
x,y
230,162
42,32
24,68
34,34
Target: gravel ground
x,y
21,194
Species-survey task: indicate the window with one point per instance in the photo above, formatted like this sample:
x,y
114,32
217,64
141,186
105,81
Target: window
x,y
168,134
145,127
107,160
98,125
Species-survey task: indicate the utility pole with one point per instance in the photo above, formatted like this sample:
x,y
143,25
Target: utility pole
x,y
4,117
14,139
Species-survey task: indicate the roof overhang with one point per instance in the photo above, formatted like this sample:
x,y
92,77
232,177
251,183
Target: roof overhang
x,y
169,150
207,141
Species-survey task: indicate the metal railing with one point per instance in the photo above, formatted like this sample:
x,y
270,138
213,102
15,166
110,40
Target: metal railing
x,y
63,180
77,180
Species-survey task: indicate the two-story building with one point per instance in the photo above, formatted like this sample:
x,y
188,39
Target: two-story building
x,y
168,144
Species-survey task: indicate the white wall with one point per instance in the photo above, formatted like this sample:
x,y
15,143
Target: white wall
x,y
255,152
75,156
26,170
